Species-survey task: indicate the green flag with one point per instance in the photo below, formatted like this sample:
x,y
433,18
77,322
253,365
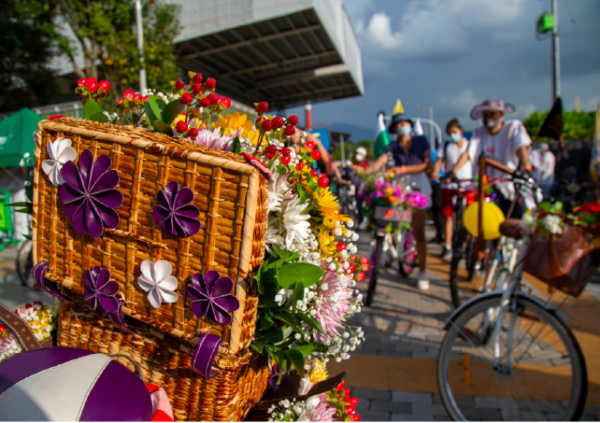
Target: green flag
x,y
382,140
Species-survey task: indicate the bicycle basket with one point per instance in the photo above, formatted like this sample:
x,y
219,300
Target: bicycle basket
x,y
393,214
566,261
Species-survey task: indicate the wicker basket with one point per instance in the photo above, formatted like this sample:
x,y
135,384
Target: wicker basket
x,y
232,198
165,361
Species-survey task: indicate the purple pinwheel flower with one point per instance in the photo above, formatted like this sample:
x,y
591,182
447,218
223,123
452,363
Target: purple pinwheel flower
x,y
274,378
175,213
100,289
88,194
211,295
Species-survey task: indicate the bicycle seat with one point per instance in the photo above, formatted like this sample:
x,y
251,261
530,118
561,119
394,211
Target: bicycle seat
x,y
512,228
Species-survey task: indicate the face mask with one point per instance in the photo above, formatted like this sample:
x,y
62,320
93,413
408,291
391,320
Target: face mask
x,y
360,158
404,130
491,123
455,137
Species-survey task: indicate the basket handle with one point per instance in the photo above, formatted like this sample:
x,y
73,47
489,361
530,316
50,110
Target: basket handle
x,y
21,330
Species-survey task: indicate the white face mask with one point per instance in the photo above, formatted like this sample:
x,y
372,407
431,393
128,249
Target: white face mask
x,y
359,157
404,130
491,123
455,137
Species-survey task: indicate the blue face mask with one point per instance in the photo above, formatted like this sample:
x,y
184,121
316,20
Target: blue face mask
x,y
455,137
404,130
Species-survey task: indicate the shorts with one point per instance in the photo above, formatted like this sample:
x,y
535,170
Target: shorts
x,y
448,195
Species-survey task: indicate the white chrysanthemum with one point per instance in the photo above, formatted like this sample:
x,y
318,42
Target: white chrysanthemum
x,y
280,192
60,152
552,223
296,224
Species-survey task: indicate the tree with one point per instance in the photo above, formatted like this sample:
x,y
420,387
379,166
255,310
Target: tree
x,y
106,39
350,148
27,39
576,125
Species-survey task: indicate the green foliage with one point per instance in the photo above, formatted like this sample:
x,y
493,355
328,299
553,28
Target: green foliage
x,y
277,324
576,125
105,31
160,114
350,148
26,47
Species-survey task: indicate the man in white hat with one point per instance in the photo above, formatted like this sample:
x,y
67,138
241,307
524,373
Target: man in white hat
x,y
504,141
360,158
547,169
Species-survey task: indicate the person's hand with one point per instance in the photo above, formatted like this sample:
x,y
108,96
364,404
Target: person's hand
x,y
435,176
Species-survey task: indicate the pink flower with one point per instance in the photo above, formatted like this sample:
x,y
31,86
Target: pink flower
x,y
335,292
324,412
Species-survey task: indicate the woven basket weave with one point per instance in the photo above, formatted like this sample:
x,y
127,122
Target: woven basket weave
x,y
165,361
231,195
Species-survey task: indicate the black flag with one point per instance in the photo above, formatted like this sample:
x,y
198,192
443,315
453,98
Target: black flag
x,y
553,125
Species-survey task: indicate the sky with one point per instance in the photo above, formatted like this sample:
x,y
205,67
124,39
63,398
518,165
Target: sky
x,y
453,54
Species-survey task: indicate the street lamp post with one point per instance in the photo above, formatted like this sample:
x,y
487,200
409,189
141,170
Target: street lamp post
x,y
140,44
555,51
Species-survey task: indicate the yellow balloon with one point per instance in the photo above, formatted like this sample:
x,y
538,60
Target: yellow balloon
x,y
493,217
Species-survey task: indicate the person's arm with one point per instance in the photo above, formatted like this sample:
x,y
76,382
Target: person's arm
x,y
401,170
435,175
462,160
379,163
523,155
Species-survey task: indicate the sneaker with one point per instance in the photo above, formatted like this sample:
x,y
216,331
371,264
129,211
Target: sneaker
x,y
447,253
423,282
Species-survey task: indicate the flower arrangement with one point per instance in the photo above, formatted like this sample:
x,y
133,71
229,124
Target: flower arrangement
x,y
40,318
551,219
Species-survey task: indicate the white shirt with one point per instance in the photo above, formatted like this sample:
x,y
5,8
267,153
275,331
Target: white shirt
x,y
501,147
453,153
535,157
547,168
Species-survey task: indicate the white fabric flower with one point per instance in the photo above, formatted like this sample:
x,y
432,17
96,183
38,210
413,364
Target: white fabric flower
x,y
296,224
157,281
283,295
552,224
60,152
528,220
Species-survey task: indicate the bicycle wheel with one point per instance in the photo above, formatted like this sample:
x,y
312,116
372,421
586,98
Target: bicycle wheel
x,y
407,253
24,264
375,263
540,373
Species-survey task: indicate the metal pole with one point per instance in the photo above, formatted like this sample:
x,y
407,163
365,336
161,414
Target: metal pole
x,y
430,108
140,44
555,52
343,151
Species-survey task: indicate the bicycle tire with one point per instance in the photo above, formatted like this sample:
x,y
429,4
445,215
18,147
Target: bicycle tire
x,y
407,263
375,259
24,264
578,393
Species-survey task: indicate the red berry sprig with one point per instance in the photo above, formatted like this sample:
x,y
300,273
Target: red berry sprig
x,y
90,89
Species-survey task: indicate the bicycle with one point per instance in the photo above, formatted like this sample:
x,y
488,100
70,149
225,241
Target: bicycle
x,y
347,199
24,264
400,246
498,340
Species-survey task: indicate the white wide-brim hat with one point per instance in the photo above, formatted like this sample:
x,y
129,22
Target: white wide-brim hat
x,y
491,105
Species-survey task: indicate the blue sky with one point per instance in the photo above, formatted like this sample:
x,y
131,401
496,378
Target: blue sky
x,y
452,54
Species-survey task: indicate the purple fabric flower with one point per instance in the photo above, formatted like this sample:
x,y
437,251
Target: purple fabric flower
x,y
100,289
211,295
39,271
88,194
274,378
175,213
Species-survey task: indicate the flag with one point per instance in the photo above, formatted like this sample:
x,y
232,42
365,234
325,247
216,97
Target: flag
x,y
382,140
553,125
398,109
418,129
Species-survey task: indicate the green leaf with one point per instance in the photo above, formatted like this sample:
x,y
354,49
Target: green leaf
x,y
312,185
279,335
298,293
281,168
304,273
286,255
154,107
171,111
266,321
289,319
99,117
306,350
259,344
236,147
301,193
311,321
162,127
18,204
90,109
297,360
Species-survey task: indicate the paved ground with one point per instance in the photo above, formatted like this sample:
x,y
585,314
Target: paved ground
x,y
403,330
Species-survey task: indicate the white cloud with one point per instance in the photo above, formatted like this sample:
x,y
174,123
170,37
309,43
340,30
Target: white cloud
x,y
380,31
524,110
464,101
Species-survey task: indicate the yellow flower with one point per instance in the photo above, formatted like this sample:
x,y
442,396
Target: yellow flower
x,y
318,373
327,242
329,222
233,122
326,199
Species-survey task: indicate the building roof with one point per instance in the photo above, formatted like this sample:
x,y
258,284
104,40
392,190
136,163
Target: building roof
x,y
280,51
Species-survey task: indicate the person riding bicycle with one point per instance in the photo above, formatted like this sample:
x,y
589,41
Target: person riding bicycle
x,y
448,155
504,141
412,159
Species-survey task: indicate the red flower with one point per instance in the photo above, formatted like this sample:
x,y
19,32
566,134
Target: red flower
x,y
590,208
